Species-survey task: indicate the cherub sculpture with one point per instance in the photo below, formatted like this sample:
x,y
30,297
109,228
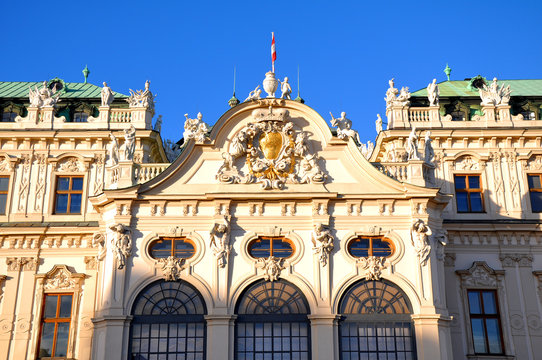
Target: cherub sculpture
x,y
254,94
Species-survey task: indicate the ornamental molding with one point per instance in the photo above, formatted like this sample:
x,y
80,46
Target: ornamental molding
x,y
22,263
480,275
71,162
171,267
7,163
373,265
273,151
271,266
60,277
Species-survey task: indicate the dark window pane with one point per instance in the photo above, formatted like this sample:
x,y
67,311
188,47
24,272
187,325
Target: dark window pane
x,y
63,183
65,306
61,203
260,248
460,182
47,338
360,247
381,248
462,202
161,249
493,336
474,182
4,183
77,183
282,248
536,201
75,205
476,202
534,182
183,249
62,335
474,302
490,307
3,203
478,336
51,302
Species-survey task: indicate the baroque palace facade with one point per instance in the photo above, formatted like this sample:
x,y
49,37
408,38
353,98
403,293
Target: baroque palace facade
x,y
271,235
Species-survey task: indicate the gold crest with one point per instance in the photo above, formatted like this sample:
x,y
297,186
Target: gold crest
x,y
271,144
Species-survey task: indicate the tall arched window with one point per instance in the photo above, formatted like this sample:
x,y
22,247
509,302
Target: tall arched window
x,y
272,322
376,322
168,323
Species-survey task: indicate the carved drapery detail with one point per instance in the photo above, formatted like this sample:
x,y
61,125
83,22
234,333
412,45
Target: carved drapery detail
x,y
322,242
220,241
121,243
420,240
271,266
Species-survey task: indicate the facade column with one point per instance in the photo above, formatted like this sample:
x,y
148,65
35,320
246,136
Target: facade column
x,y
324,337
528,289
9,302
432,336
109,340
220,336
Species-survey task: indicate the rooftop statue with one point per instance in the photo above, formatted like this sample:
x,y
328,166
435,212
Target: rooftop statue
x,y
142,98
391,93
254,94
107,95
286,89
344,127
378,124
43,97
433,93
429,152
412,145
367,150
494,94
172,150
195,129
129,143
113,150
158,124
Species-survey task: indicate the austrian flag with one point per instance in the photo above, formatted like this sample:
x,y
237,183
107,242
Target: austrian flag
x,y
273,52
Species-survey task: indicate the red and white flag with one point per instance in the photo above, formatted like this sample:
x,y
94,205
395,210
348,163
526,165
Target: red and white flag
x,y
273,52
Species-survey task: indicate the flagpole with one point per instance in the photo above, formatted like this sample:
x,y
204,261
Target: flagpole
x,y
273,53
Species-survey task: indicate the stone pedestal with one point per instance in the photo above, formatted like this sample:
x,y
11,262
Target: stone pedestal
x,y
434,116
121,175
420,173
489,115
220,339
141,118
111,337
433,341
397,117
324,336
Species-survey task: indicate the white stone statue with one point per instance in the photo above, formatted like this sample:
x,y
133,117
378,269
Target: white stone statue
x,y
322,242
420,240
107,95
142,98
254,94
220,242
172,150
429,152
300,148
98,240
391,94
171,267
121,243
285,88
344,128
113,150
43,97
433,93
310,172
271,266
374,266
495,95
412,145
404,97
195,129
441,241
129,143
378,124
158,124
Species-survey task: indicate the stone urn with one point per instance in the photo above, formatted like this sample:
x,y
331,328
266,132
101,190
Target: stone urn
x,y
270,84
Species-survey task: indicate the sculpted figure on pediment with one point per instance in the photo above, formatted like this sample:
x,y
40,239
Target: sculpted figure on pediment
x,y
195,129
275,153
344,128
494,94
142,98
43,97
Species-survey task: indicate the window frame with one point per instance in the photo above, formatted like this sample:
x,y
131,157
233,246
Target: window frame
x,y
370,249
172,239
271,240
484,317
7,192
55,320
468,191
534,190
69,192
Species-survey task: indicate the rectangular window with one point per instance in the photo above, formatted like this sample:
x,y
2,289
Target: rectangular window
x,y
80,116
535,192
485,322
68,195
4,186
55,326
468,193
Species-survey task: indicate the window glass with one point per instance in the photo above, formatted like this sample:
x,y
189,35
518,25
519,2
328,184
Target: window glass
x,y
478,334
55,326
77,183
177,247
474,182
534,181
468,192
69,195
370,246
264,247
489,302
535,192
460,182
474,303
4,183
4,186
65,306
80,116
63,183
9,116
485,323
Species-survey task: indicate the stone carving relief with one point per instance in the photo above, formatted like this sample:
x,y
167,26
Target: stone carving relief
x,y
142,98
220,242
429,152
171,267
322,242
272,149
22,263
433,93
441,240
373,265
121,243
271,266
43,97
98,240
395,97
41,160
129,143
494,94
26,159
420,240
467,163
480,274
254,94
5,164
70,164
59,278
195,129
107,95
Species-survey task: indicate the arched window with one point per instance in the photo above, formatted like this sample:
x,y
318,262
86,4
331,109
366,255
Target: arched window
x,y
272,322
376,322
168,323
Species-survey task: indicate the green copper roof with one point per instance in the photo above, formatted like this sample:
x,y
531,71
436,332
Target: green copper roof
x,y
9,89
456,88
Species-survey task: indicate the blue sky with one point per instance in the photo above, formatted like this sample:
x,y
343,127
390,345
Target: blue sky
x,y
346,51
